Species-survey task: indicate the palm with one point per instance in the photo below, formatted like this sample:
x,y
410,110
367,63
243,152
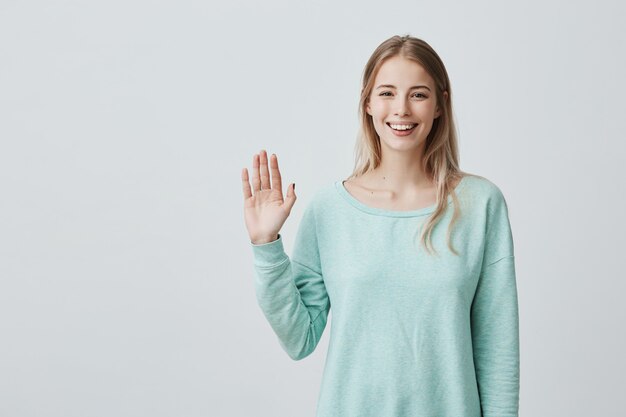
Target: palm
x,y
266,210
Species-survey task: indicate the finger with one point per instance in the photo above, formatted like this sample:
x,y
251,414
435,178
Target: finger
x,y
291,196
245,182
265,174
276,178
256,182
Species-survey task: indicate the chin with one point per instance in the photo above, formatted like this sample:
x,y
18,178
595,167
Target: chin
x,y
394,144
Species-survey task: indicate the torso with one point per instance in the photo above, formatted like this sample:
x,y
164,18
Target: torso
x,y
361,189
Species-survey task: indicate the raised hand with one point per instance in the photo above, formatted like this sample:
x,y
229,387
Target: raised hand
x,y
266,210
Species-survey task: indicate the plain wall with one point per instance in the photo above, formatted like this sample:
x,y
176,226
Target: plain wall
x,y
126,275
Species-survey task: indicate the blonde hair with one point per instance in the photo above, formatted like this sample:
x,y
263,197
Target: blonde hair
x,y
441,155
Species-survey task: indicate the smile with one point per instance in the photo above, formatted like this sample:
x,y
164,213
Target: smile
x,y
402,127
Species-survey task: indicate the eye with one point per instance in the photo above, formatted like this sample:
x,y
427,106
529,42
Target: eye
x,y
419,94
385,93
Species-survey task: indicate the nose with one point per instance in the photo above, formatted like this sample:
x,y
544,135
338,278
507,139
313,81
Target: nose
x,y
401,107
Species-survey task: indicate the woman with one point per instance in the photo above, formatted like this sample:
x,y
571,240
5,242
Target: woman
x,y
425,327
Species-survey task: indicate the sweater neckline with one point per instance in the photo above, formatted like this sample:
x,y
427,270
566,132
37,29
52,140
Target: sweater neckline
x,y
340,187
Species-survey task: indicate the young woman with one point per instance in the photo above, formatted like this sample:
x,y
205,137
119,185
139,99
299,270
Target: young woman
x,y
414,255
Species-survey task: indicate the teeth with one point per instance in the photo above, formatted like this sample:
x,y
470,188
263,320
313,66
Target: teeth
x,y
402,127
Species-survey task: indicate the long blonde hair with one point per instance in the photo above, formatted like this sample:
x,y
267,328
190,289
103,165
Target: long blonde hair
x,y
441,155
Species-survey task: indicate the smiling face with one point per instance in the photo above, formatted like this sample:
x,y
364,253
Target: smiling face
x,y
403,104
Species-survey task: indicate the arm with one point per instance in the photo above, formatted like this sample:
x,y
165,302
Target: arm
x,y
495,319
291,292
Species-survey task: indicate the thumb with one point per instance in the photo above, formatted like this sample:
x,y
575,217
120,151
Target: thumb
x,y
291,196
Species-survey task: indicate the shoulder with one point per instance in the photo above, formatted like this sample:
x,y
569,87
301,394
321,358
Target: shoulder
x,y
321,199
483,194
324,194
490,213
481,187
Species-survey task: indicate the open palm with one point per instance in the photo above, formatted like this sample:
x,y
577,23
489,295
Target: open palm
x,y
266,210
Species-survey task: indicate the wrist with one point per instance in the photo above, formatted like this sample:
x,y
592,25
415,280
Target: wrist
x,y
263,240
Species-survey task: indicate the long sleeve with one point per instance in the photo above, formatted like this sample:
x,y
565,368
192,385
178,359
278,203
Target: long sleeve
x,y
495,319
291,292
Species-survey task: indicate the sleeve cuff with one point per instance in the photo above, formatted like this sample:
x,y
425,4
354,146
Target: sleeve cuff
x,y
270,253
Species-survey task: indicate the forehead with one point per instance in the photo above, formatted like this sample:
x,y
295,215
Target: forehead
x,y
400,71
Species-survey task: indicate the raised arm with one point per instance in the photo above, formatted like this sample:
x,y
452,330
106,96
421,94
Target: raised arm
x,y
290,291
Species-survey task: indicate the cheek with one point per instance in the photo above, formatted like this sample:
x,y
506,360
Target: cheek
x,y
427,109
378,109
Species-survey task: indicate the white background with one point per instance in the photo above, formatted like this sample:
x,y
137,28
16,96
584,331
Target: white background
x,y
126,277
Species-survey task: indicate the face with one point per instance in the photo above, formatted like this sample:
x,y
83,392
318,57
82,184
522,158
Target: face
x,y
403,104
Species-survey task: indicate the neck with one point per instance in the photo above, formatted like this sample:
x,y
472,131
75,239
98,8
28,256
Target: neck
x,y
401,171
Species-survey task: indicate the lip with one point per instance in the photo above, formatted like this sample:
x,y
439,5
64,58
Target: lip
x,y
403,132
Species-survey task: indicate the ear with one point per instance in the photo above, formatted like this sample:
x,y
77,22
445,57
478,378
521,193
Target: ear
x,y
438,110
368,109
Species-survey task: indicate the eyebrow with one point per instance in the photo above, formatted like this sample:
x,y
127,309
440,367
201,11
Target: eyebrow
x,y
393,86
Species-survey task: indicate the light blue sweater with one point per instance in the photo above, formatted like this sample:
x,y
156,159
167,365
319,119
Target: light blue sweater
x,y
412,335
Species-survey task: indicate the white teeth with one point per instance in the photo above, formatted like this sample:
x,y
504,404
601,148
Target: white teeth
x,y
402,127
